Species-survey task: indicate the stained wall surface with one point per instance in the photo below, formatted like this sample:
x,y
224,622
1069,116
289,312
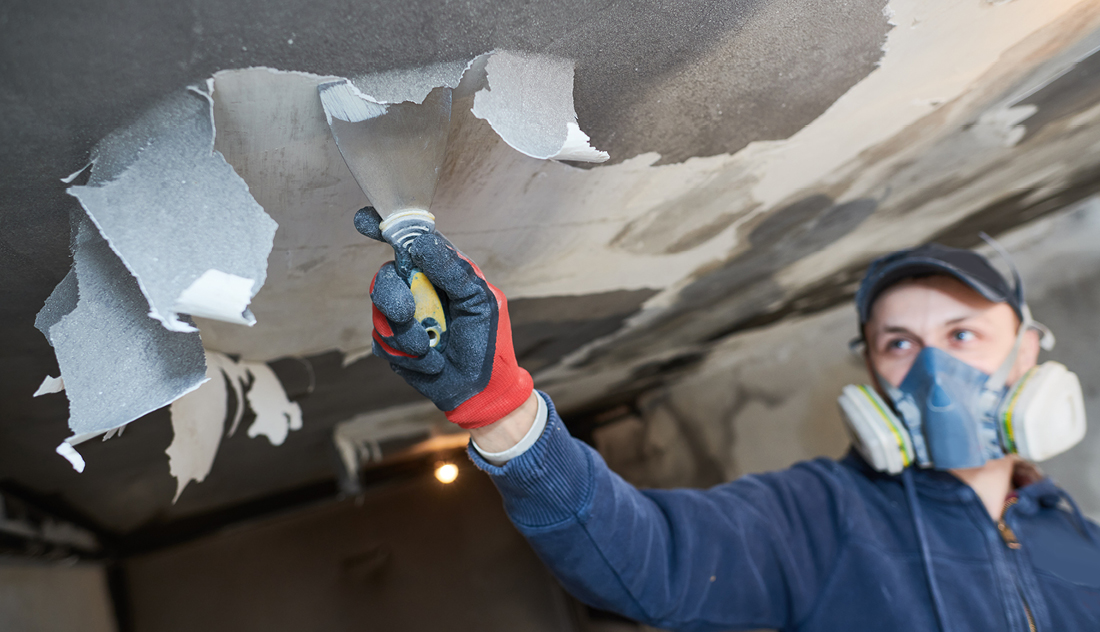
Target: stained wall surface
x,y
54,597
417,555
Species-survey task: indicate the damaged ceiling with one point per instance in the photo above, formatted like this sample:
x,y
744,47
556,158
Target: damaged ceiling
x,y
761,153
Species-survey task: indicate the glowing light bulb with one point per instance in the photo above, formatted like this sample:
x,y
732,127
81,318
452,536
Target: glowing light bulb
x,y
446,473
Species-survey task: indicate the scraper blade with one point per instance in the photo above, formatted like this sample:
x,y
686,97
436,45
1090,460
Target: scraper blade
x,y
395,151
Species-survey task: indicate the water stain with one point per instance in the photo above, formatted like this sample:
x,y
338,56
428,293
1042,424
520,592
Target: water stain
x,y
689,220
544,330
1072,93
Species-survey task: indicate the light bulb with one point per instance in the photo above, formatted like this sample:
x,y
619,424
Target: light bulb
x,y
446,473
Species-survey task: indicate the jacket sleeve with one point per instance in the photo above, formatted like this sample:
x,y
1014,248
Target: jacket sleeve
x,y
753,553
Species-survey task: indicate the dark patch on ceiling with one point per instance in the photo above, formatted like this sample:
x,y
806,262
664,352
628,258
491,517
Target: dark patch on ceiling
x,y
765,70
743,287
544,330
127,482
1073,92
1019,207
782,238
690,220
995,219
128,485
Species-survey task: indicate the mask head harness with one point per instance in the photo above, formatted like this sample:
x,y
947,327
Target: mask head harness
x,y
946,414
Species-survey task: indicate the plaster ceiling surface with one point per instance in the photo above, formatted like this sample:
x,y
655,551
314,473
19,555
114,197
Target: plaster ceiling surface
x,y
762,152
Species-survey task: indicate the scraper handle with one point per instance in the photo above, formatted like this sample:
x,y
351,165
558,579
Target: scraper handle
x,y
429,309
400,230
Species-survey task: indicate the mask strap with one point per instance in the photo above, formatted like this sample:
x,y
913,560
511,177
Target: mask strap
x,y
999,379
1046,336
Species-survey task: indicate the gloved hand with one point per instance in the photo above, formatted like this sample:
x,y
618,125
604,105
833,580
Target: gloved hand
x,y
472,375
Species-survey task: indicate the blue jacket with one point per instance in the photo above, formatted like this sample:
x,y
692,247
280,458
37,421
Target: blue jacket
x,y
824,545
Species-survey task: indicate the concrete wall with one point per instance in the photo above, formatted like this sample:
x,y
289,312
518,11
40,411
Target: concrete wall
x,y
414,556
1060,263
54,598
767,398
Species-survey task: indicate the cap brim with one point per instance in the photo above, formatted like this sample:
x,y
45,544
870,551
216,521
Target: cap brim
x,y
919,266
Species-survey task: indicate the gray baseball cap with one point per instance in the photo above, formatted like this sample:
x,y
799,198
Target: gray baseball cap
x,y
967,266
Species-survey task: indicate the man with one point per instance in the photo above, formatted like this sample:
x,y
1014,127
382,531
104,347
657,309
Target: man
x,y
967,537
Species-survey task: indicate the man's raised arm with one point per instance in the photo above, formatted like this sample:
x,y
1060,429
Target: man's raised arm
x,y
740,555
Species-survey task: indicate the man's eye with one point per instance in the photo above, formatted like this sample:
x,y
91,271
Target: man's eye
x,y
963,335
901,344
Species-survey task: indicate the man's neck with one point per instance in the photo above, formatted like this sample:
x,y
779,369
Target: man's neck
x,y
992,482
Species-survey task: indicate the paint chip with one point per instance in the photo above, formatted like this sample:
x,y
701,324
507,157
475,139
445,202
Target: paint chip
x,y
529,103
168,229
276,416
199,418
174,211
397,86
117,363
50,385
70,454
218,295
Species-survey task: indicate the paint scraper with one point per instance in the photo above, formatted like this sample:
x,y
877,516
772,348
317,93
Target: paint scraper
x,y
395,151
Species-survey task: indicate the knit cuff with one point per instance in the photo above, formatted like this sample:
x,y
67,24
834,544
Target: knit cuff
x,y
528,440
549,483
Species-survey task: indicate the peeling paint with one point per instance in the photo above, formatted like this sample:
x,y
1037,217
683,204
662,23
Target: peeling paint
x,y
177,215
276,416
117,363
50,385
199,418
529,102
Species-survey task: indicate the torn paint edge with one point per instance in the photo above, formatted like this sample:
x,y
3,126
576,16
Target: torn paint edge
x,y
415,93
195,442
575,144
78,461
257,388
76,174
343,101
66,450
223,285
578,147
218,295
50,385
276,415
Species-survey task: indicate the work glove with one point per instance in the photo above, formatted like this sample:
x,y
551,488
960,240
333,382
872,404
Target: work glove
x,y
472,374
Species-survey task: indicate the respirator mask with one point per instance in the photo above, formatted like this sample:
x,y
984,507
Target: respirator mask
x,y
946,414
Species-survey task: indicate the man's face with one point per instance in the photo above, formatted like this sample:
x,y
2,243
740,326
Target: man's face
x,y
943,312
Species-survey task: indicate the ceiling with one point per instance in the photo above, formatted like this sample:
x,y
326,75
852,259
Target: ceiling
x,y
762,152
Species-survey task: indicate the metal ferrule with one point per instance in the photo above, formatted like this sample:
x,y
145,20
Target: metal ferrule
x,y
402,228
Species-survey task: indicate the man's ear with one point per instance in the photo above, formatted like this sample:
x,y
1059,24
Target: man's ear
x,y
1027,357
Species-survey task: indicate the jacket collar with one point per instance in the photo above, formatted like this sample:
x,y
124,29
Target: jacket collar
x,y
1033,488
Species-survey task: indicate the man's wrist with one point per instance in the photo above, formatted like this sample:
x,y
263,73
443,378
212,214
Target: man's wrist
x,y
511,435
